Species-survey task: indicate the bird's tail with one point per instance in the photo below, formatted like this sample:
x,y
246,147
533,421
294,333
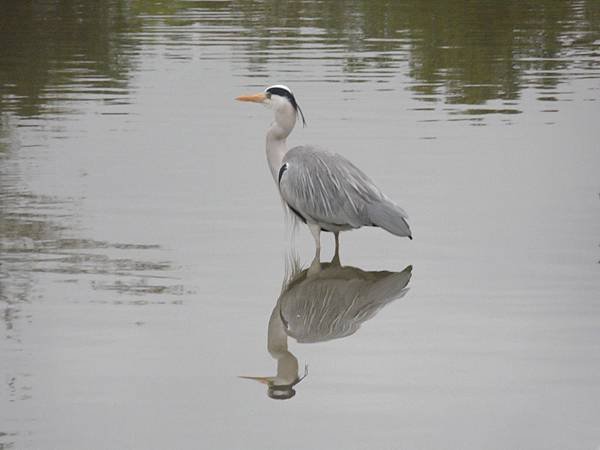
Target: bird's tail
x,y
389,216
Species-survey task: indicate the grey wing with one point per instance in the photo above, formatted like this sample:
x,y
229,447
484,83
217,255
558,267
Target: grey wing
x,y
328,189
335,304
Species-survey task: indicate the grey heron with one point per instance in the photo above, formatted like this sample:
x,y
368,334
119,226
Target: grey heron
x,y
330,304
324,190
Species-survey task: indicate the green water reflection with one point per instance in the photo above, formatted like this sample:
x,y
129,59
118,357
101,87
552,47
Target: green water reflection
x,y
457,51
54,49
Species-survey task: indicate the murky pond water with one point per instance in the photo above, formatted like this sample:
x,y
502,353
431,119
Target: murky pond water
x,y
143,246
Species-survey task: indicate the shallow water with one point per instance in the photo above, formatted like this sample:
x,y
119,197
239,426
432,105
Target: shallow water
x,y
143,246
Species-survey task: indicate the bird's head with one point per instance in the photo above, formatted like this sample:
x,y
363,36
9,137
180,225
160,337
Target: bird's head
x,y
280,99
278,387
275,390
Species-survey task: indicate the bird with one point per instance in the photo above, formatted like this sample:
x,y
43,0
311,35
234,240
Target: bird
x,y
331,304
322,189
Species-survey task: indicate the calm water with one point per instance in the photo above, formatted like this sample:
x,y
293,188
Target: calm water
x,y
143,248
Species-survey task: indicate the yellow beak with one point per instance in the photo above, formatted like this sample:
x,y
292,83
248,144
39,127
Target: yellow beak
x,y
256,98
263,380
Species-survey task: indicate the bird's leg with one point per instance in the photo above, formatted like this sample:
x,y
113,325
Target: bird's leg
x,y
316,264
336,257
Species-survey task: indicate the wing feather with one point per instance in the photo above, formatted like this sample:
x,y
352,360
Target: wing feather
x,y
326,188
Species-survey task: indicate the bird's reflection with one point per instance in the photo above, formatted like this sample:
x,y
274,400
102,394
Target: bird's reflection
x,y
330,304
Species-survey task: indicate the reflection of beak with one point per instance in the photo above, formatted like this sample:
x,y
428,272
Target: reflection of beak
x,y
263,380
256,98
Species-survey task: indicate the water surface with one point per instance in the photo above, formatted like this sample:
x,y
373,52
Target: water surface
x,y
143,247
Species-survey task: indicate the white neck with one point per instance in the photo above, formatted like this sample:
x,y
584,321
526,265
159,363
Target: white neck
x,y
277,345
282,126
276,150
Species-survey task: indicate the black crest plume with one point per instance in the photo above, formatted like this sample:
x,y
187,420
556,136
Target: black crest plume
x,y
284,92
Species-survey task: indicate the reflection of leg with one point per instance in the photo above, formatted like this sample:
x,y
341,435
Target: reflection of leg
x,y
336,257
316,264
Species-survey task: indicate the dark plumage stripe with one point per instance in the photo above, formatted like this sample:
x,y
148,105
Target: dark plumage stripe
x,y
284,93
283,169
300,216
276,90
